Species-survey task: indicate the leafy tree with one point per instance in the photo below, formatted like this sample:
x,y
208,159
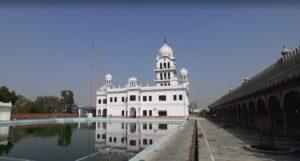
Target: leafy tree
x,y
21,101
49,104
7,96
32,107
67,97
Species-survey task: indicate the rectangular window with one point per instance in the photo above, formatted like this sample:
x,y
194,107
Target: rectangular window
x,y
115,139
163,126
144,126
104,101
123,99
145,141
180,97
162,97
174,97
116,99
150,112
110,139
110,99
98,136
139,98
144,112
162,113
122,140
150,98
123,113
104,125
132,142
150,126
99,101
144,98
150,141
103,136
122,125
132,97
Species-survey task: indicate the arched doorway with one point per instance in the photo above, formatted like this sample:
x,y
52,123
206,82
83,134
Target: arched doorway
x,y
132,112
239,114
252,114
245,114
292,109
261,110
104,113
276,113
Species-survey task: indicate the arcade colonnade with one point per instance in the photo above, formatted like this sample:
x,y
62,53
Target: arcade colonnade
x,y
282,107
273,94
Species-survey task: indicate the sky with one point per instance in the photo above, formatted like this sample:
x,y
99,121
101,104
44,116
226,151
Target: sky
x,y
46,48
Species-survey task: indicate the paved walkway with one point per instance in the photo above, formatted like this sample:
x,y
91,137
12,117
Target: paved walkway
x,y
227,144
175,148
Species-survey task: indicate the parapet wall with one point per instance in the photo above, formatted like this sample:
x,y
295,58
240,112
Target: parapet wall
x,y
284,69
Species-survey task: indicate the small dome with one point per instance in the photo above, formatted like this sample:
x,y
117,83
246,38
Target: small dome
x,y
284,51
165,50
183,71
108,76
132,79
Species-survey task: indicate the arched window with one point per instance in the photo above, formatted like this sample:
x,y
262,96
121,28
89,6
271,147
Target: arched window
x,y
168,64
165,65
160,65
161,77
165,75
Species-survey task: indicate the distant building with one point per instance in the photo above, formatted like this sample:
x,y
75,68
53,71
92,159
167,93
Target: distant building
x,y
5,111
83,110
167,98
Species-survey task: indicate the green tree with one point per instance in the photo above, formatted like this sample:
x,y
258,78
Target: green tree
x,y
49,104
7,96
67,98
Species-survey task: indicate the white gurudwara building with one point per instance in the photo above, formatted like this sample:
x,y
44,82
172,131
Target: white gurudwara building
x,y
167,98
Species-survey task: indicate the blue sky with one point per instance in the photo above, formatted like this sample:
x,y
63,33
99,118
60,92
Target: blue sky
x,y
45,49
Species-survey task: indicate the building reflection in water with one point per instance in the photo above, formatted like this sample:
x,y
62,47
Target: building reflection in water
x,y
4,135
128,138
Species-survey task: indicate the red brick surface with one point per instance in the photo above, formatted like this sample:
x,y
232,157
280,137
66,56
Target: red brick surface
x,y
41,116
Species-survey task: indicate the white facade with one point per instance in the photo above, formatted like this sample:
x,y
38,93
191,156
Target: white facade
x,y
129,138
167,98
5,111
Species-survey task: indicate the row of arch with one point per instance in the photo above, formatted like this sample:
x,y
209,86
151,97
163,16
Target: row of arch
x,y
103,113
283,111
165,65
165,76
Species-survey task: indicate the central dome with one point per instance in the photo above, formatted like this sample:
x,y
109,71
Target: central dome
x,y
165,50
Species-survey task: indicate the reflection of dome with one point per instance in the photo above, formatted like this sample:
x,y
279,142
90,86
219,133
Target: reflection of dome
x,y
132,79
183,71
165,50
108,76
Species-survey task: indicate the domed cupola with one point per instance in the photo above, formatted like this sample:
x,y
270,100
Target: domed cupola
x,y
183,72
132,82
284,51
108,76
108,80
165,50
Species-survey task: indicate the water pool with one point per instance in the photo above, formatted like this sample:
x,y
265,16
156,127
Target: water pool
x,y
111,141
